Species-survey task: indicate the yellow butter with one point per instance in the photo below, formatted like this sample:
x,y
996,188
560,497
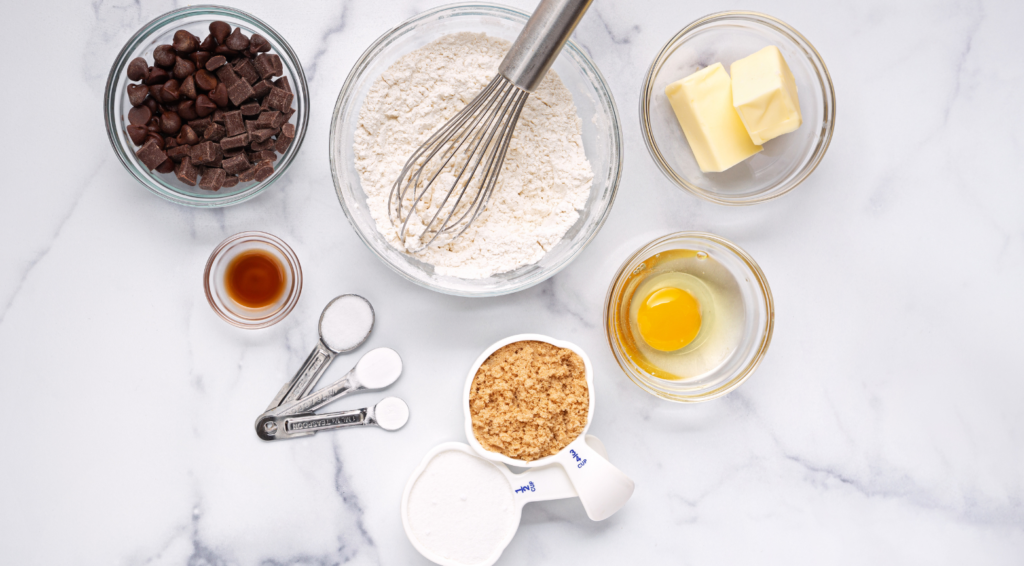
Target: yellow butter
x,y
703,105
764,94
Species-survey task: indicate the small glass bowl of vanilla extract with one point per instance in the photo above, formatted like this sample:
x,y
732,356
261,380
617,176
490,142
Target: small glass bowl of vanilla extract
x,y
253,280
689,316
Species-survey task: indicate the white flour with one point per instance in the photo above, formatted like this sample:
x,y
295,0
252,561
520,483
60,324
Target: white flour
x,y
461,508
545,179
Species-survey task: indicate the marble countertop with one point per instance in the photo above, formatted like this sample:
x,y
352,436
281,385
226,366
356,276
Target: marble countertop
x,y
884,426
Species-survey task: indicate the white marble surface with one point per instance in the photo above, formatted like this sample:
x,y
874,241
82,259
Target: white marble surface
x,y
885,425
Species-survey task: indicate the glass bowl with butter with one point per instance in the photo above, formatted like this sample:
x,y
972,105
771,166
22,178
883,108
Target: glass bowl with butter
x,y
783,162
689,316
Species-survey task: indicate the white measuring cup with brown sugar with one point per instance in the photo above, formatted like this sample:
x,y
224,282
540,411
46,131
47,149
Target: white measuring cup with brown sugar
x,y
602,488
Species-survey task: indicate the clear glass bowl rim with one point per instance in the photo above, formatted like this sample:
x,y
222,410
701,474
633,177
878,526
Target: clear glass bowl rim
x,y
649,383
490,9
648,85
160,23
293,265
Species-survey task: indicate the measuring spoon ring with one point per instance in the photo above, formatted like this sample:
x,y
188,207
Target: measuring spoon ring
x,y
390,414
344,325
377,369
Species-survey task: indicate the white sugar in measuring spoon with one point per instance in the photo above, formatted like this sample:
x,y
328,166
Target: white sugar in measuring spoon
x,y
344,325
377,369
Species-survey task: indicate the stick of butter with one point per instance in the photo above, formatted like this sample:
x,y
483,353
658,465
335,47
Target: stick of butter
x,y
764,94
703,105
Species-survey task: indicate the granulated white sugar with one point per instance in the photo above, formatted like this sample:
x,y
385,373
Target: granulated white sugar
x,y
346,323
461,508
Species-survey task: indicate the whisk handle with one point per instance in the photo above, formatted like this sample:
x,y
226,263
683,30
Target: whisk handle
x,y
541,40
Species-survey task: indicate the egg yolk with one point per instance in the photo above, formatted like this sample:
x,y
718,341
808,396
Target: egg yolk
x,y
669,319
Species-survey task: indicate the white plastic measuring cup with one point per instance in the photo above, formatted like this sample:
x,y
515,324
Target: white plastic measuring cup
x,y
603,489
536,484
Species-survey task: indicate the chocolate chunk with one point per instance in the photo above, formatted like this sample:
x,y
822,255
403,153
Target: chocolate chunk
x,y
264,170
265,155
137,69
283,118
251,109
164,56
185,42
281,144
170,143
240,92
269,65
213,179
166,167
187,110
205,80
187,135
204,153
214,133
218,160
279,99
227,75
266,119
219,95
236,164
236,40
283,84
215,62
186,171
151,155
250,126
260,146
183,68
139,115
247,175
204,106
170,123
188,88
220,30
261,135
288,130
138,134
232,142
233,123
200,125
245,70
261,88
137,94
218,116
230,181
233,152
178,152
157,76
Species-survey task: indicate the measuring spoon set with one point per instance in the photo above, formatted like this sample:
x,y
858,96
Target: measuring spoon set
x,y
345,324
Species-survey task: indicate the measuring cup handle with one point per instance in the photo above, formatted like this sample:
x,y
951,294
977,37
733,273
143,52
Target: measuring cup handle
x,y
603,489
307,376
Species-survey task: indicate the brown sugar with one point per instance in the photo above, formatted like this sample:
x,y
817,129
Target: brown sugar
x,y
529,400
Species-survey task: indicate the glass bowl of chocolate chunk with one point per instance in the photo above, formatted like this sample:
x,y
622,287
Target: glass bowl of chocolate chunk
x,y
206,106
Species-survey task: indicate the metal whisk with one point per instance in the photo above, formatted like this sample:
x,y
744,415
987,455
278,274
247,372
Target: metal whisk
x,y
477,138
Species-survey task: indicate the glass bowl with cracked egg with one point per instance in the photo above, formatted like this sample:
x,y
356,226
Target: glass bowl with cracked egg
x,y
595,107
689,316
197,19
786,160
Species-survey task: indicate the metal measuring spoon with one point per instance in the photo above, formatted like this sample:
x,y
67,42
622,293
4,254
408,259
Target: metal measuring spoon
x,y
377,369
390,414
344,325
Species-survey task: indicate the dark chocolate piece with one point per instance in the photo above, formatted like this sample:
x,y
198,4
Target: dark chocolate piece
x,y
209,43
220,94
269,65
279,99
220,30
251,109
186,171
215,62
150,154
138,134
187,110
234,142
204,153
264,170
205,80
227,75
170,123
218,116
247,175
204,106
240,92
262,88
185,42
157,76
164,56
258,44
265,155
261,135
166,167
139,115
245,70
137,94
233,123
183,68
236,40
230,181
157,138
178,152
171,91
265,119
187,136
282,118
214,133
200,58
260,146
236,164
188,88
283,84
213,179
